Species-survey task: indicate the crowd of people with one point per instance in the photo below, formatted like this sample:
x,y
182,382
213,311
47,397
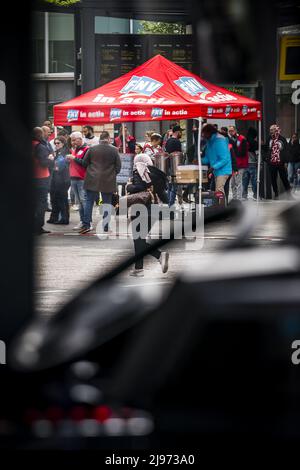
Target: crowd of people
x,y
82,168
233,160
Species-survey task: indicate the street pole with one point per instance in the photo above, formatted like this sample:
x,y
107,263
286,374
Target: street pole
x,y
123,137
258,163
200,163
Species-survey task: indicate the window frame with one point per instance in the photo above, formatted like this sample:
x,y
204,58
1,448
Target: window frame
x,y
46,74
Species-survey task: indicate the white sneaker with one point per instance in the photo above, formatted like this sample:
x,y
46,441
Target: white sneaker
x,y
75,207
91,227
164,261
137,273
78,227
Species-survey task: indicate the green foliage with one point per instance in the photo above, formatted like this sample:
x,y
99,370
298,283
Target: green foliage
x,y
62,3
151,27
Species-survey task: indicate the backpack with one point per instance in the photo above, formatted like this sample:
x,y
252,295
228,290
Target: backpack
x,y
159,181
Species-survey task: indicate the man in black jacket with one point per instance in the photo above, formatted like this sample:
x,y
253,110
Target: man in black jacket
x,y
173,145
276,149
102,163
42,161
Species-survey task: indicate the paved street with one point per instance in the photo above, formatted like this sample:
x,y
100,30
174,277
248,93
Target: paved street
x,y
67,261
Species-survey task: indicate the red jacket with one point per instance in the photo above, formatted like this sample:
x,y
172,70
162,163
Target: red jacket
x,y
40,163
241,150
76,170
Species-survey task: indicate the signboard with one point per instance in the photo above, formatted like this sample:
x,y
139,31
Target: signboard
x,y
119,54
126,168
177,48
289,58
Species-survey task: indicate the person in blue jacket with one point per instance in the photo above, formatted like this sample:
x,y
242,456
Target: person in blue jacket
x,y
217,155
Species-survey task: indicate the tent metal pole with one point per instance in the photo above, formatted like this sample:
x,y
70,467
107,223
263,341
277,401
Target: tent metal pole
x,y
258,163
123,137
55,132
200,164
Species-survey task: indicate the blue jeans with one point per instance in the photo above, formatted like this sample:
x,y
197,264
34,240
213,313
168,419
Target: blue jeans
x,y
250,174
91,197
80,195
172,193
292,173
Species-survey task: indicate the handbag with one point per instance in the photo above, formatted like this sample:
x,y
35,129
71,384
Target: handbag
x,y
142,197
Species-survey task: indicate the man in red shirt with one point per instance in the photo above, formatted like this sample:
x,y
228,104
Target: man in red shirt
x,y
77,173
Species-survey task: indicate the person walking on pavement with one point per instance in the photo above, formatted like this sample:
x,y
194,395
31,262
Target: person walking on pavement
x,y
294,161
250,173
42,161
59,184
77,172
277,156
102,163
140,182
217,156
240,147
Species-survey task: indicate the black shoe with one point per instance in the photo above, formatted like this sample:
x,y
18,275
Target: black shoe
x,y
42,231
276,197
48,209
52,221
61,222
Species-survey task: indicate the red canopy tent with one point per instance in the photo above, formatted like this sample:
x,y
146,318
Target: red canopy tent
x,y
157,90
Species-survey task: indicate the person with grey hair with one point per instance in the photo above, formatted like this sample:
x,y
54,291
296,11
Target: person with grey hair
x,y
77,172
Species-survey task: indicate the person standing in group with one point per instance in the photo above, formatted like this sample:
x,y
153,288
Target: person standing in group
x,y
168,134
59,184
90,139
50,126
102,163
224,131
217,156
277,157
77,172
173,145
240,147
294,160
138,149
154,146
250,173
129,141
140,182
42,162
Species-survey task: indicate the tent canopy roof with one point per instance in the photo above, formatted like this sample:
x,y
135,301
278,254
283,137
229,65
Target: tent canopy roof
x,y
156,90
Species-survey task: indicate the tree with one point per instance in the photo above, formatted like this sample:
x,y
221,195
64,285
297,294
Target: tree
x,y
62,3
152,27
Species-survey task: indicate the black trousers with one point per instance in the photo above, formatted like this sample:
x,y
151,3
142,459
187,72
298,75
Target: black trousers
x,y
281,170
140,243
60,205
41,202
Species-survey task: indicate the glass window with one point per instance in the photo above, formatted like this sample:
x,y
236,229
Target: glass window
x,y
61,43
107,25
38,42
